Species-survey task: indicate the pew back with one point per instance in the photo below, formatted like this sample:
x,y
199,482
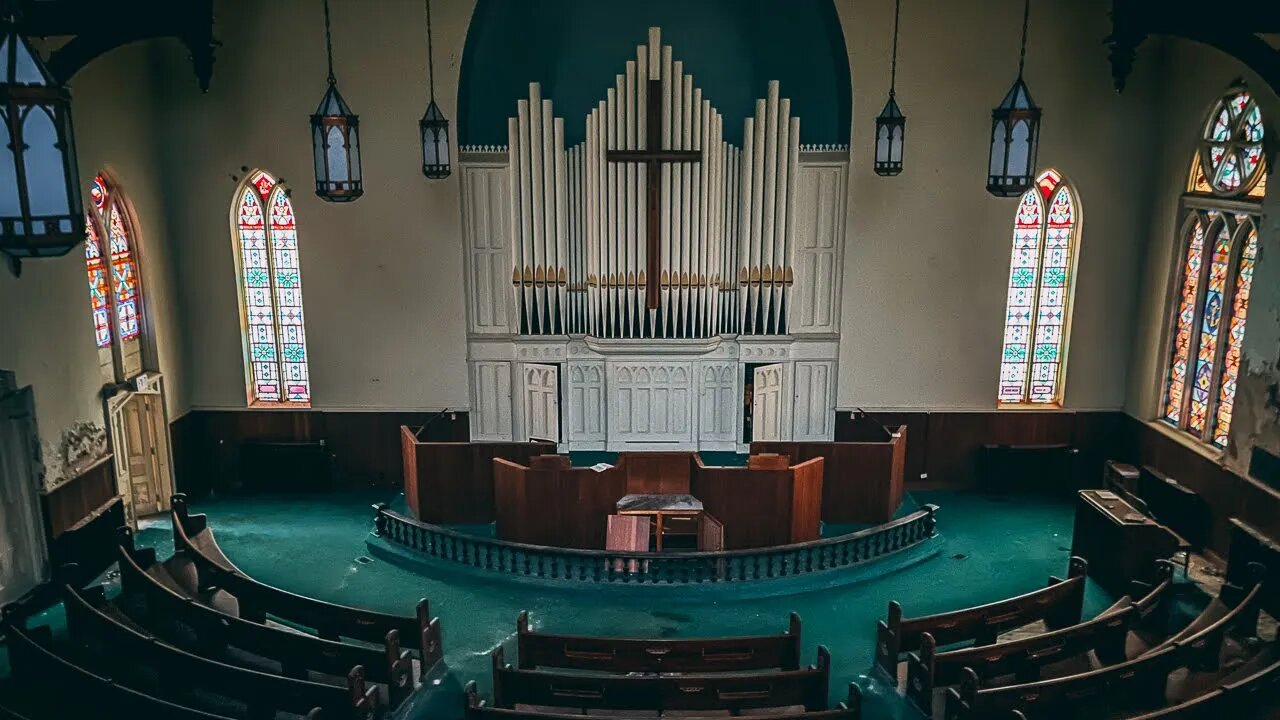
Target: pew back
x,y
193,539
699,655
724,691
1059,605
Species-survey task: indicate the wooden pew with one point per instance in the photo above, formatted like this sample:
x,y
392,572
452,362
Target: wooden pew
x,y
1136,685
193,539
1059,605
1024,659
806,687
1252,691
696,655
67,690
205,631
477,709
100,631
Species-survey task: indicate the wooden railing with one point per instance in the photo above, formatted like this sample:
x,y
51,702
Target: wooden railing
x,y
601,566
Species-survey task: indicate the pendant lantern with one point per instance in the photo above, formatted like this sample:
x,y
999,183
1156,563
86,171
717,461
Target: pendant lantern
x,y
1015,133
40,209
335,138
434,126
891,124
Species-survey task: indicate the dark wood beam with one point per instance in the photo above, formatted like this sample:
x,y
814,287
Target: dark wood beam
x,y
1209,22
95,28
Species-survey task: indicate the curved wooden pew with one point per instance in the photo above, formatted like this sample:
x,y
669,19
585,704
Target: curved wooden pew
x,y
1249,692
477,709
204,630
698,655
1059,605
194,539
97,627
1105,635
806,688
73,691
1136,685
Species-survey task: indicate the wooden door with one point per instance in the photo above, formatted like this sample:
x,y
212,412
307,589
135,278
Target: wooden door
x,y
140,440
542,402
766,403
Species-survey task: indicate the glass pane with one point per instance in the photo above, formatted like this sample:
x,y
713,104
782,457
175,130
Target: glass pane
x,y
997,149
124,279
287,284
1015,358
1211,322
98,301
10,205
258,307
1051,310
1235,339
336,153
1184,324
46,172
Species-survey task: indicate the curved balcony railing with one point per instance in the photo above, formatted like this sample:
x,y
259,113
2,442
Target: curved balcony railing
x,y
603,566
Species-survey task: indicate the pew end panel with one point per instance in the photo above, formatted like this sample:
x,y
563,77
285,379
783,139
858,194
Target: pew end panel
x,y
921,673
889,641
430,638
364,697
1070,610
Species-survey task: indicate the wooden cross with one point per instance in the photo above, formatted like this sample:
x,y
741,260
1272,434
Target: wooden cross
x,y
653,158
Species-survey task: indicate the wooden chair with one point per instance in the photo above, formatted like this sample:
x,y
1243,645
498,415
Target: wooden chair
x,y
734,692
620,655
104,637
1059,605
477,709
67,690
193,539
1105,636
190,625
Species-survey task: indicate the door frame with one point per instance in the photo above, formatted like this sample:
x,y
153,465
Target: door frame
x,y
19,404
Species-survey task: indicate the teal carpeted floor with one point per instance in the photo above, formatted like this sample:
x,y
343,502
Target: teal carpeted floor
x,y
995,547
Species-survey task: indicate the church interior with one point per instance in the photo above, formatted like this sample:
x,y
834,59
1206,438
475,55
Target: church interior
x,y
654,359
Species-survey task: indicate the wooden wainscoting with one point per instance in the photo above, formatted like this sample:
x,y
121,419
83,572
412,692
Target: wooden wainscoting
x,y
365,446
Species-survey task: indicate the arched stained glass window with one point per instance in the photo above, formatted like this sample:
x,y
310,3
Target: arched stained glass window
x,y
1040,288
114,294
1218,247
271,293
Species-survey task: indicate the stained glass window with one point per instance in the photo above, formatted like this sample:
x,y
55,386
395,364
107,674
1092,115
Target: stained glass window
x,y
271,284
1039,297
113,277
1217,255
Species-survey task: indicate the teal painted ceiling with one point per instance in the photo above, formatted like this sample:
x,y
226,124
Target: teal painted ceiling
x,y
733,48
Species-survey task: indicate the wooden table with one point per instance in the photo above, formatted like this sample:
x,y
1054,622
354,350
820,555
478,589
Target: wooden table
x,y
1120,543
683,511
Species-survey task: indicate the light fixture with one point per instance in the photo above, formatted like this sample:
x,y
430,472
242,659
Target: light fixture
x,y
335,138
434,126
40,210
891,124
1015,133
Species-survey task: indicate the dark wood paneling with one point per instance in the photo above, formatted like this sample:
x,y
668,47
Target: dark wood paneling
x,y
452,482
657,472
365,446
79,500
806,501
753,505
862,481
551,503
955,439
917,424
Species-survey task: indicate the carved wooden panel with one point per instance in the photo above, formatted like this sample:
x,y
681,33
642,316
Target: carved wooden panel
x,y
586,403
650,402
814,411
486,216
490,400
719,402
819,228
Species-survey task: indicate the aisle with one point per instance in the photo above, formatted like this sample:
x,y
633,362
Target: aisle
x,y
314,545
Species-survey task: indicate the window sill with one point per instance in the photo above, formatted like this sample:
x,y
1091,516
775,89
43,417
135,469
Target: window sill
x,y
1210,452
1029,406
260,405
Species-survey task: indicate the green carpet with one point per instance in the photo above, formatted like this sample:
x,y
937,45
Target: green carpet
x,y
995,548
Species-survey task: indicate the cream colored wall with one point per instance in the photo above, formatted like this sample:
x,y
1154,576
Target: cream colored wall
x,y
381,277
1193,76
927,253
46,327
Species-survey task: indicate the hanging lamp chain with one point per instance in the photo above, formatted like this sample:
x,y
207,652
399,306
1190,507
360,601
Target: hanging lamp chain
x,y
431,60
1026,16
893,68
328,42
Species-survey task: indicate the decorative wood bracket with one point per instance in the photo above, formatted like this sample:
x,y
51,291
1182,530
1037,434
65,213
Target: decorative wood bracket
x,y
94,28
1202,21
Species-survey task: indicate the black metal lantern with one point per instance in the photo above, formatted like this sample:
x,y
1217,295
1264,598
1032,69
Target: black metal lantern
x,y
335,139
1015,133
891,124
434,126
40,210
